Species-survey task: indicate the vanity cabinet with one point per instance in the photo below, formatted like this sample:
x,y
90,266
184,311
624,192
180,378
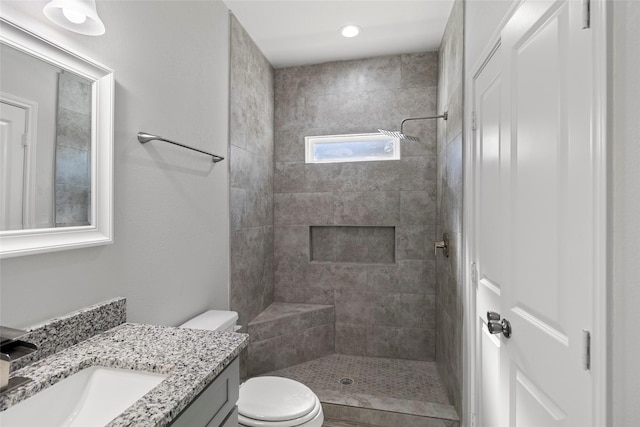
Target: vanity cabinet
x,y
215,406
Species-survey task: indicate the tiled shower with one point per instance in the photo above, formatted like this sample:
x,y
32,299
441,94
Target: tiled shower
x,y
339,257
329,219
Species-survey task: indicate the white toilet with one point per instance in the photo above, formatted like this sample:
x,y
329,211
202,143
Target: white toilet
x,y
265,401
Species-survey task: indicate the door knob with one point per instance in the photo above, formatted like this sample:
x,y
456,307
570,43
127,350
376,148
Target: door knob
x,y
497,326
442,244
492,315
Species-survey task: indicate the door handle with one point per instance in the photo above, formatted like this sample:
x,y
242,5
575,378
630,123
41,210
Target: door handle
x,y
497,326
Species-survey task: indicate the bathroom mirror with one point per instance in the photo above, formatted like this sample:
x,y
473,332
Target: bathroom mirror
x,y
56,146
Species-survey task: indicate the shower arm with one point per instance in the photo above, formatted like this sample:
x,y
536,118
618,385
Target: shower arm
x,y
444,115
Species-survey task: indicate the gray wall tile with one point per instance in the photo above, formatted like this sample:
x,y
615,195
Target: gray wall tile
x,y
420,69
364,75
383,176
272,354
316,342
416,173
307,295
237,208
381,245
254,246
321,177
414,241
359,97
367,208
353,306
284,323
350,177
291,146
291,349
353,244
449,206
401,343
404,310
291,243
337,276
323,244
303,208
251,177
289,177
417,208
351,339
426,131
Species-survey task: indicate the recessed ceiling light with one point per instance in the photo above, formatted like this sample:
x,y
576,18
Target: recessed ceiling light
x,y
350,30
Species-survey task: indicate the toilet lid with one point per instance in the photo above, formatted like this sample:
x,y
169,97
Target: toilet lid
x,y
275,399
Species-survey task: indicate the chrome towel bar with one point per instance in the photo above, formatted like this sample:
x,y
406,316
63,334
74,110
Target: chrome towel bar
x,y
146,137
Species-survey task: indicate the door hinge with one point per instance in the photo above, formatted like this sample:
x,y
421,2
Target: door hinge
x,y
586,350
473,121
25,140
586,14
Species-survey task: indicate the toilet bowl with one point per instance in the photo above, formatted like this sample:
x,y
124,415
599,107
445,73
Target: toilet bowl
x,y
278,402
265,401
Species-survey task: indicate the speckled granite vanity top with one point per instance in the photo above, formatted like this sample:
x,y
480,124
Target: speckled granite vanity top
x,y
191,358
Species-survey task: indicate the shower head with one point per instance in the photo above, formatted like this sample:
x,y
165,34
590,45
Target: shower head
x,y
401,135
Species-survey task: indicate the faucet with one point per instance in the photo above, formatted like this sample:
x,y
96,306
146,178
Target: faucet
x,y
5,368
11,349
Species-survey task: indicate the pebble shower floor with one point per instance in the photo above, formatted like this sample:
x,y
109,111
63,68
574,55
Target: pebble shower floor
x,y
390,378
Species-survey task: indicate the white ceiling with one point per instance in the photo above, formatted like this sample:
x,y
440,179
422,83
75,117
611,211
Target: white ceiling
x,y
297,32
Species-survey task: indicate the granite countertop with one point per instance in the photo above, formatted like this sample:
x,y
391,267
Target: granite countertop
x,y
192,359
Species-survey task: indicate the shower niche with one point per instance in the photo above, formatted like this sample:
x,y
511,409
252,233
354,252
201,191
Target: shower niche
x,y
353,244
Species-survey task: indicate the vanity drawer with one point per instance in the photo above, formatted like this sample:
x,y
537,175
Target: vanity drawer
x,y
231,421
214,406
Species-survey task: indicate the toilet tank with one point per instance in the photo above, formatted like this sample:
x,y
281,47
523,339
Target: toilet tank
x,y
214,320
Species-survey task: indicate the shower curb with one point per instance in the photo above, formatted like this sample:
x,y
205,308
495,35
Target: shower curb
x,y
381,418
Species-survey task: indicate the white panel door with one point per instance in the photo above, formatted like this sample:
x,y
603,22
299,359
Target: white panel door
x,y
488,218
13,122
534,218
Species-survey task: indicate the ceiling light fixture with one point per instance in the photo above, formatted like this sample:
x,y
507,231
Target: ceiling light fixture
x,y
350,31
79,16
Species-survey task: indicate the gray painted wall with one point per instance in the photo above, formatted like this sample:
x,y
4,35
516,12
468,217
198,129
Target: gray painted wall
x,y
625,150
251,162
381,310
450,290
171,252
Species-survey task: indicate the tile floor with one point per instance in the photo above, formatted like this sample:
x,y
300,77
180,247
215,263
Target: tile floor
x,y
380,387
338,423
393,378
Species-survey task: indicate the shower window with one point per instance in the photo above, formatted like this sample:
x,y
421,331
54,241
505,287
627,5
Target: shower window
x,y
351,148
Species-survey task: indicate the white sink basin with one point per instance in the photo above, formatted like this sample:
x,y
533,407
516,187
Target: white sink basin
x,y
91,397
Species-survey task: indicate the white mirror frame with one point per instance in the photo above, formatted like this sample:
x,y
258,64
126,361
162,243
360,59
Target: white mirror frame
x,y
33,241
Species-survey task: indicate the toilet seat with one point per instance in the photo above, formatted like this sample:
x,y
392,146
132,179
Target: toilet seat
x,y
276,402
311,416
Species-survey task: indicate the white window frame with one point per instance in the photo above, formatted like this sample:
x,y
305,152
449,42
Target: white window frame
x,y
311,141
